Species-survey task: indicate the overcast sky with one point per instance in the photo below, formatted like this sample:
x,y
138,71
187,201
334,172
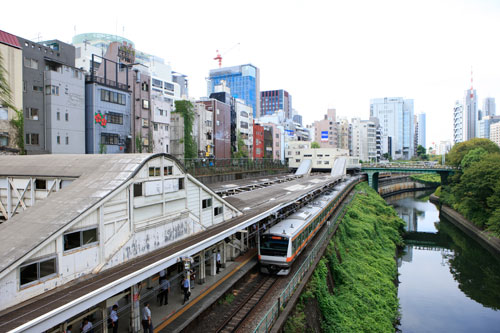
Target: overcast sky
x,y
327,54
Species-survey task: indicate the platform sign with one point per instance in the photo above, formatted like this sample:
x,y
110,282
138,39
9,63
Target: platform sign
x,y
324,135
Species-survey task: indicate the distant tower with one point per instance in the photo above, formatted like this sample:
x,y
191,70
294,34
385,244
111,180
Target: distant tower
x,y
470,120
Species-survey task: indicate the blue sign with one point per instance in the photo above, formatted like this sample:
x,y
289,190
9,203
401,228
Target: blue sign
x,y
324,135
289,132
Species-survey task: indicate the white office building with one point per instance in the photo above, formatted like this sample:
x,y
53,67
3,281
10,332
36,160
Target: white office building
x,y
363,143
458,123
395,115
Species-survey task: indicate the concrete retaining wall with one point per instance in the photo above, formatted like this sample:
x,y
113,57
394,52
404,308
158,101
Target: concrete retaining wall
x,y
486,239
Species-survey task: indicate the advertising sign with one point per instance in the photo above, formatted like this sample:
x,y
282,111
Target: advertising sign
x,y
324,135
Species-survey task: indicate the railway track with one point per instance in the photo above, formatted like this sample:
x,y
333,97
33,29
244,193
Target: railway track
x,y
243,309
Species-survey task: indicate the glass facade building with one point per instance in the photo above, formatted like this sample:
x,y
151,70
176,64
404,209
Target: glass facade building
x,y
244,82
274,100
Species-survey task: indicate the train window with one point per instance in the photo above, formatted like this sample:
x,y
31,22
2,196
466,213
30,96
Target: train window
x,y
273,245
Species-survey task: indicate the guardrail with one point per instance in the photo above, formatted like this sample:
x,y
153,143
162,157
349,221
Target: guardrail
x,y
407,166
270,317
201,166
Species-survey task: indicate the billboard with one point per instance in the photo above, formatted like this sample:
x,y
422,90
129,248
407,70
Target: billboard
x,y
324,136
289,132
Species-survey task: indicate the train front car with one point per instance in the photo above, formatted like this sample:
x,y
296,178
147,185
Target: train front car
x,y
274,249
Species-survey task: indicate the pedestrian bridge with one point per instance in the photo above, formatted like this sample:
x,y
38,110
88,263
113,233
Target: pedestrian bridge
x,y
373,170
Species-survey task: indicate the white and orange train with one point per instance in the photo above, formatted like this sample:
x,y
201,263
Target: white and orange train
x,y
280,246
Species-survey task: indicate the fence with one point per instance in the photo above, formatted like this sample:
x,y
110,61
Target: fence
x,y
273,313
201,166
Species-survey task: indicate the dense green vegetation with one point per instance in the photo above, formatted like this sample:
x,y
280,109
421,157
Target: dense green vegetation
x,y
360,262
315,145
474,190
242,151
185,108
431,179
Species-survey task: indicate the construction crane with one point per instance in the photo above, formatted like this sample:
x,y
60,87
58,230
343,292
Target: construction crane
x,y
219,56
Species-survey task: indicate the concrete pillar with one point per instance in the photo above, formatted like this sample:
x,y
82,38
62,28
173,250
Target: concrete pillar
x,y
203,272
213,264
104,316
135,309
223,254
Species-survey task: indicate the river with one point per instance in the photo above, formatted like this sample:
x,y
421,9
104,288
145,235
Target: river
x,y
448,282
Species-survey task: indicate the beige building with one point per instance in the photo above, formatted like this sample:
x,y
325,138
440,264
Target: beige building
x,y
495,133
12,56
326,131
322,158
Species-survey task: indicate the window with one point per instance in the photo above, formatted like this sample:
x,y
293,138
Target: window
x,y
67,140
113,97
244,114
38,88
40,184
114,118
32,138
58,115
297,160
58,139
66,116
154,171
157,83
110,139
138,190
205,203
217,211
155,126
145,123
4,138
181,183
30,63
36,271
169,86
145,86
32,113
243,124
297,152
145,104
52,90
81,238
168,170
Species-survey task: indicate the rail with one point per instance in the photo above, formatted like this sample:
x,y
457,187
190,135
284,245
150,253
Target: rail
x,y
407,166
270,317
201,166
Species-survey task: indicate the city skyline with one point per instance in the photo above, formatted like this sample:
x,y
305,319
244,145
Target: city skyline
x,y
331,60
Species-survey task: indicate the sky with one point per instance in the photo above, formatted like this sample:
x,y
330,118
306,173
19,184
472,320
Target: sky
x,y
326,54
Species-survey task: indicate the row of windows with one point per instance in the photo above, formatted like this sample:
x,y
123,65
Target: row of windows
x,y
110,139
138,188
113,97
58,140
156,171
47,267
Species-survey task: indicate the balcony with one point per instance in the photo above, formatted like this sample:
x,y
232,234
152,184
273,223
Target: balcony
x,y
106,82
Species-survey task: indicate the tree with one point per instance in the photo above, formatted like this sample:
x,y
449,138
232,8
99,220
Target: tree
x,y
315,145
185,108
421,150
473,156
242,148
457,153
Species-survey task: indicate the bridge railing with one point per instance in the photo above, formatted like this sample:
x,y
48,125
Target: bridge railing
x,y
272,314
201,166
407,166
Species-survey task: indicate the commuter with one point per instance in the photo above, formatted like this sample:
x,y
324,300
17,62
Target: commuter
x,y
68,329
147,322
114,318
185,288
218,262
86,326
164,290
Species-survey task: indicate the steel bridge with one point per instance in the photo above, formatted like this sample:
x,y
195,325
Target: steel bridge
x,y
373,170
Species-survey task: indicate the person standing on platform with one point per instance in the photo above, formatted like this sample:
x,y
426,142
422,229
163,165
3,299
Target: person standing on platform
x,y
114,318
86,325
164,290
218,262
147,322
185,288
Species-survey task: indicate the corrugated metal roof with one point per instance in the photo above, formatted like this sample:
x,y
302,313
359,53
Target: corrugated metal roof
x,y
9,39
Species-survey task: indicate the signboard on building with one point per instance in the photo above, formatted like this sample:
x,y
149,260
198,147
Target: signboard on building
x,y
289,132
324,136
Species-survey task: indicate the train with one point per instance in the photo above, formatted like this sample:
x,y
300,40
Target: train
x,y
281,244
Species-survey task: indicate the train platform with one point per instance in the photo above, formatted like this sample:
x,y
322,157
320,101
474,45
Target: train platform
x,y
175,316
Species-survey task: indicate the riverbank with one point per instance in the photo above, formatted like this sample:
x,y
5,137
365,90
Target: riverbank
x,y
485,238
353,287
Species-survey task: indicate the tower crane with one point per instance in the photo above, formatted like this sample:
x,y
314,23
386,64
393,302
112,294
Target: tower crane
x,y
219,55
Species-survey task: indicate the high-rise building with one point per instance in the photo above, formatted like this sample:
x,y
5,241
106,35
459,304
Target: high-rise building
x,y
12,55
495,133
458,123
484,126
326,130
363,142
471,115
244,82
395,116
274,100
489,106
421,118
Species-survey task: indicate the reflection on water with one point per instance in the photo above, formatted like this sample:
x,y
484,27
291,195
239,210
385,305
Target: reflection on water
x,y
448,282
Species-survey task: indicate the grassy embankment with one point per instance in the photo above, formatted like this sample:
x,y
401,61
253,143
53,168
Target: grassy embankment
x,y
430,179
353,287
